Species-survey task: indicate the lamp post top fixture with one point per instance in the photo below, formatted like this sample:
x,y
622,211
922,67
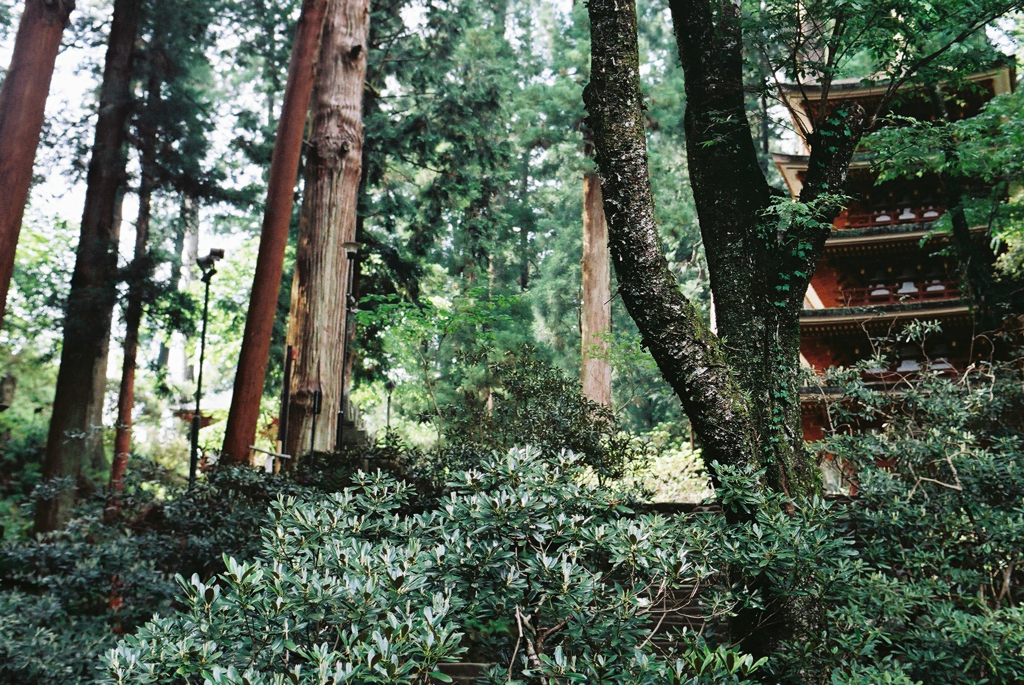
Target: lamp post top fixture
x,y
207,263
209,260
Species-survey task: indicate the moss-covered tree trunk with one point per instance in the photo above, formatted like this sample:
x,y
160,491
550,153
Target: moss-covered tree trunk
x,y
687,353
739,387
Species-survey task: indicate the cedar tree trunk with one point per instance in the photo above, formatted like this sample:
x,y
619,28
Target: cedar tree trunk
x,y
596,317
140,271
316,323
22,104
94,282
525,223
259,322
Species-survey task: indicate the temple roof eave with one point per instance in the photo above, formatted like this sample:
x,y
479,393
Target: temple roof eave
x,y
880,83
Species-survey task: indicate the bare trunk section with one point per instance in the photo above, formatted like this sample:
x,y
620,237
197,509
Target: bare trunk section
x,y
141,270
259,323
316,323
95,454
596,318
349,336
22,105
93,285
133,318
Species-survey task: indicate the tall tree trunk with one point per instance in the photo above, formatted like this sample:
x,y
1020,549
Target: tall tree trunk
x,y
686,351
140,273
93,285
94,450
316,323
596,319
133,319
22,104
183,257
259,323
525,223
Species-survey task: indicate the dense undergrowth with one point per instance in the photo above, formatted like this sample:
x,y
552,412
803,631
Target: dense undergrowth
x,y
541,560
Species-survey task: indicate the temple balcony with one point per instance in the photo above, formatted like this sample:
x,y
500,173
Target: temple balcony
x,y
899,216
889,377
907,291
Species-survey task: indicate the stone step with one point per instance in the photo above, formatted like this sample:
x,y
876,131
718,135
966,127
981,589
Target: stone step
x,y
464,672
682,616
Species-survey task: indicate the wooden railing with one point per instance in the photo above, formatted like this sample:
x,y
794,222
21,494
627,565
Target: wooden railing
x,y
905,370
908,370
928,290
894,217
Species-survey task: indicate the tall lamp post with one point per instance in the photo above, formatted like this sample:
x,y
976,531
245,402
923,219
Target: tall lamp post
x,y
351,252
206,264
390,386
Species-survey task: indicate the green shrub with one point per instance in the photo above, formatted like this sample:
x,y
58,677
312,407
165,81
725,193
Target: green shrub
x,y
67,597
940,520
522,562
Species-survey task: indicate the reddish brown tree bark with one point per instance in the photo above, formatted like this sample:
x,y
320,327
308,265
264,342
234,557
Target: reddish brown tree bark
x,y
133,319
94,282
259,323
596,314
316,323
22,105
140,273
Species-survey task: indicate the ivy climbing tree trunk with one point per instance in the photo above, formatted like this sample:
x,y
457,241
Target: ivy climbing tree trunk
x,y
22,104
74,425
739,387
596,306
316,322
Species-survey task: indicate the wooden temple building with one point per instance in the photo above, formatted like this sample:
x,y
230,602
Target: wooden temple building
x,y
877,271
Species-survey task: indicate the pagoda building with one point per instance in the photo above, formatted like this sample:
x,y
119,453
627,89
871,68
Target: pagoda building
x,y
882,267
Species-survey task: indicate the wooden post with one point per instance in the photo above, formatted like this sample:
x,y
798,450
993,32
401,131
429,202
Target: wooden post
x,y
22,104
243,416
